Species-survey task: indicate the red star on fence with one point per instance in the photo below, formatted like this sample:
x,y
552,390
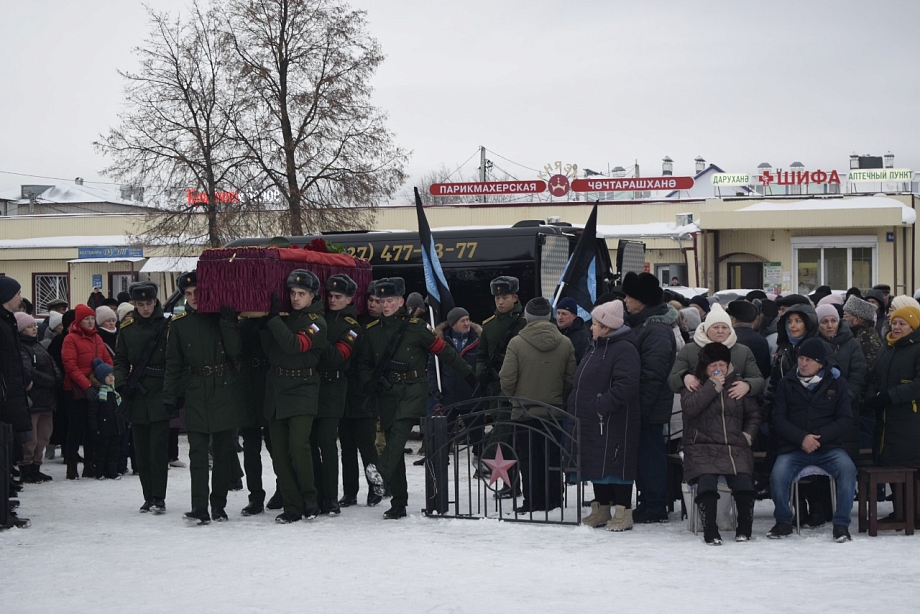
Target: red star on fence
x,y
499,467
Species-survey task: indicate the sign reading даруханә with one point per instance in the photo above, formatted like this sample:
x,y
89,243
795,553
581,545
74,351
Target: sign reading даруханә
x,y
730,179
487,187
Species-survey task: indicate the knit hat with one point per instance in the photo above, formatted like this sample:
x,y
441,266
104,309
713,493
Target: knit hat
x,y
454,315
714,352
101,369
123,310
691,318
538,309
124,297
23,320
8,288
702,301
831,299
878,297
826,311
55,319
864,310
717,314
415,301
82,311
569,304
904,301
609,314
909,314
105,314
643,287
814,348
742,310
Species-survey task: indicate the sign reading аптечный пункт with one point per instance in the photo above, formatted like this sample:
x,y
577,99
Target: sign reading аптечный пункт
x,y
110,252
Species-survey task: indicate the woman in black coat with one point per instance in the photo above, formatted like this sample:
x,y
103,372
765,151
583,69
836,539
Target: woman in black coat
x,y
605,400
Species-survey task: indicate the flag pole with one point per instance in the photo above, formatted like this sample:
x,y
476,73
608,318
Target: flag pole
x,y
437,360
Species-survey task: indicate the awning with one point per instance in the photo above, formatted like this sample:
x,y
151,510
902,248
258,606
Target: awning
x,y
169,264
859,212
103,260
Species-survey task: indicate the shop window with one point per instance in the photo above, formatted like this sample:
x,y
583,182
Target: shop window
x,y
49,286
838,262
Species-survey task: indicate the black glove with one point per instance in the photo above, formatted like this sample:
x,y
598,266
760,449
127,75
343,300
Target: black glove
x,y
275,308
91,396
228,313
436,394
484,380
171,410
371,389
880,400
471,380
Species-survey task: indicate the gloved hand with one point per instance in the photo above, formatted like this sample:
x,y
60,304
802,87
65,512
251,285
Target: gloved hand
x,y
484,379
436,394
171,410
371,389
91,396
228,313
275,308
880,400
471,380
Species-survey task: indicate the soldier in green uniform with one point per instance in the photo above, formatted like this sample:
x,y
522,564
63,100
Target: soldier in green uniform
x,y
142,345
333,388
253,370
402,391
293,346
508,316
357,427
202,355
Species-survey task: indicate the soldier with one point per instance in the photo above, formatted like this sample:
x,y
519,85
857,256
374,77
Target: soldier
x,y
253,373
333,388
497,331
400,346
140,366
357,428
202,353
293,346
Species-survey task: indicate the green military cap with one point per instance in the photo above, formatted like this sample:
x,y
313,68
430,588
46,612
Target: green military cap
x,y
187,280
341,283
302,278
504,284
143,291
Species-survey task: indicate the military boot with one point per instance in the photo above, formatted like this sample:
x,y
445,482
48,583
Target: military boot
x,y
598,517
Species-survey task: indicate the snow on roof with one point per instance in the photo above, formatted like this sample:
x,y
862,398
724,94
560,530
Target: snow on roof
x,y
102,260
169,264
70,241
908,215
663,230
71,193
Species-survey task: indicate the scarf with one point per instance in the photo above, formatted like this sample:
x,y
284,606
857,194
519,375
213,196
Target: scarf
x,y
811,382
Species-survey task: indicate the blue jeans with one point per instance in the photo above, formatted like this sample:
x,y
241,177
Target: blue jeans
x,y
652,470
835,461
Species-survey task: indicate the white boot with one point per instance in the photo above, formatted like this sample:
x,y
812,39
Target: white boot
x,y
598,517
622,519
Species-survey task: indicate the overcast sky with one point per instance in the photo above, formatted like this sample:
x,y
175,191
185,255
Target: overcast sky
x,y
595,83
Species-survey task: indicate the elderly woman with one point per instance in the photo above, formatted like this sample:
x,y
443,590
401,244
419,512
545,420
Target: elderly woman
x,y
847,353
897,391
717,328
719,431
605,400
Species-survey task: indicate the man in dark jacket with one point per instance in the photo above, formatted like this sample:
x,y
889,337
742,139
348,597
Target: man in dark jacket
x,y
811,415
653,322
573,326
743,315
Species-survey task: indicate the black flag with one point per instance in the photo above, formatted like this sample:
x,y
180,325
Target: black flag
x,y
439,296
579,279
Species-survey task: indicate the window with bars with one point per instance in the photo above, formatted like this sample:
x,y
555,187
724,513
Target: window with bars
x,y
49,286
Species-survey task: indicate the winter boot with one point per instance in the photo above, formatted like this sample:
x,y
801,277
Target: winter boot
x,y
373,477
744,502
44,477
72,470
707,504
622,519
29,474
598,517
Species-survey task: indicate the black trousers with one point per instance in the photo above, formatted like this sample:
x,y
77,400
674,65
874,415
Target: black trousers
x,y
106,450
356,435
78,432
537,448
252,462
613,494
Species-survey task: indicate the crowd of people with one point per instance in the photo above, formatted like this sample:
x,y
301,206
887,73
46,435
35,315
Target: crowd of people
x,y
802,380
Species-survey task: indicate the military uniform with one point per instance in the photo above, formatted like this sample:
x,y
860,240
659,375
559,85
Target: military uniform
x,y
405,402
494,329
253,371
202,357
143,403
293,346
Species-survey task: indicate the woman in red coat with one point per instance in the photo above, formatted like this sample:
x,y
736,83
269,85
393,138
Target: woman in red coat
x,y
80,347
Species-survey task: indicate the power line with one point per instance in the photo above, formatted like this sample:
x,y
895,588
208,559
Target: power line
x,y
512,161
462,165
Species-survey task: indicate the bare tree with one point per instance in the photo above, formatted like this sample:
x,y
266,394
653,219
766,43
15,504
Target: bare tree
x,y
175,136
308,125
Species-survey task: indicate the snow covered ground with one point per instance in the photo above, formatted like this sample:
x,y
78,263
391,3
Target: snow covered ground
x,y
89,550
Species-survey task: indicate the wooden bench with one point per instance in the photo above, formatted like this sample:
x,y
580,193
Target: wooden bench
x,y
902,485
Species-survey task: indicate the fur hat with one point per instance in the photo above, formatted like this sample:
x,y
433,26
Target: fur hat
x,y
715,316
643,287
567,303
814,348
909,314
864,310
701,301
504,284
399,283
454,315
141,291
187,280
101,369
742,311
23,320
341,283
609,314
904,301
105,314
755,294
769,310
714,352
538,309
826,311
792,299
55,319
8,288
303,279
83,311
384,288
123,310
371,287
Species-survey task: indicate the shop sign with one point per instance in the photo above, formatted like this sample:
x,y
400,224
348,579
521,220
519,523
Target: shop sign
x,y
110,252
730,179
193,197
484,188
781,177
632,184
772,274
880,174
